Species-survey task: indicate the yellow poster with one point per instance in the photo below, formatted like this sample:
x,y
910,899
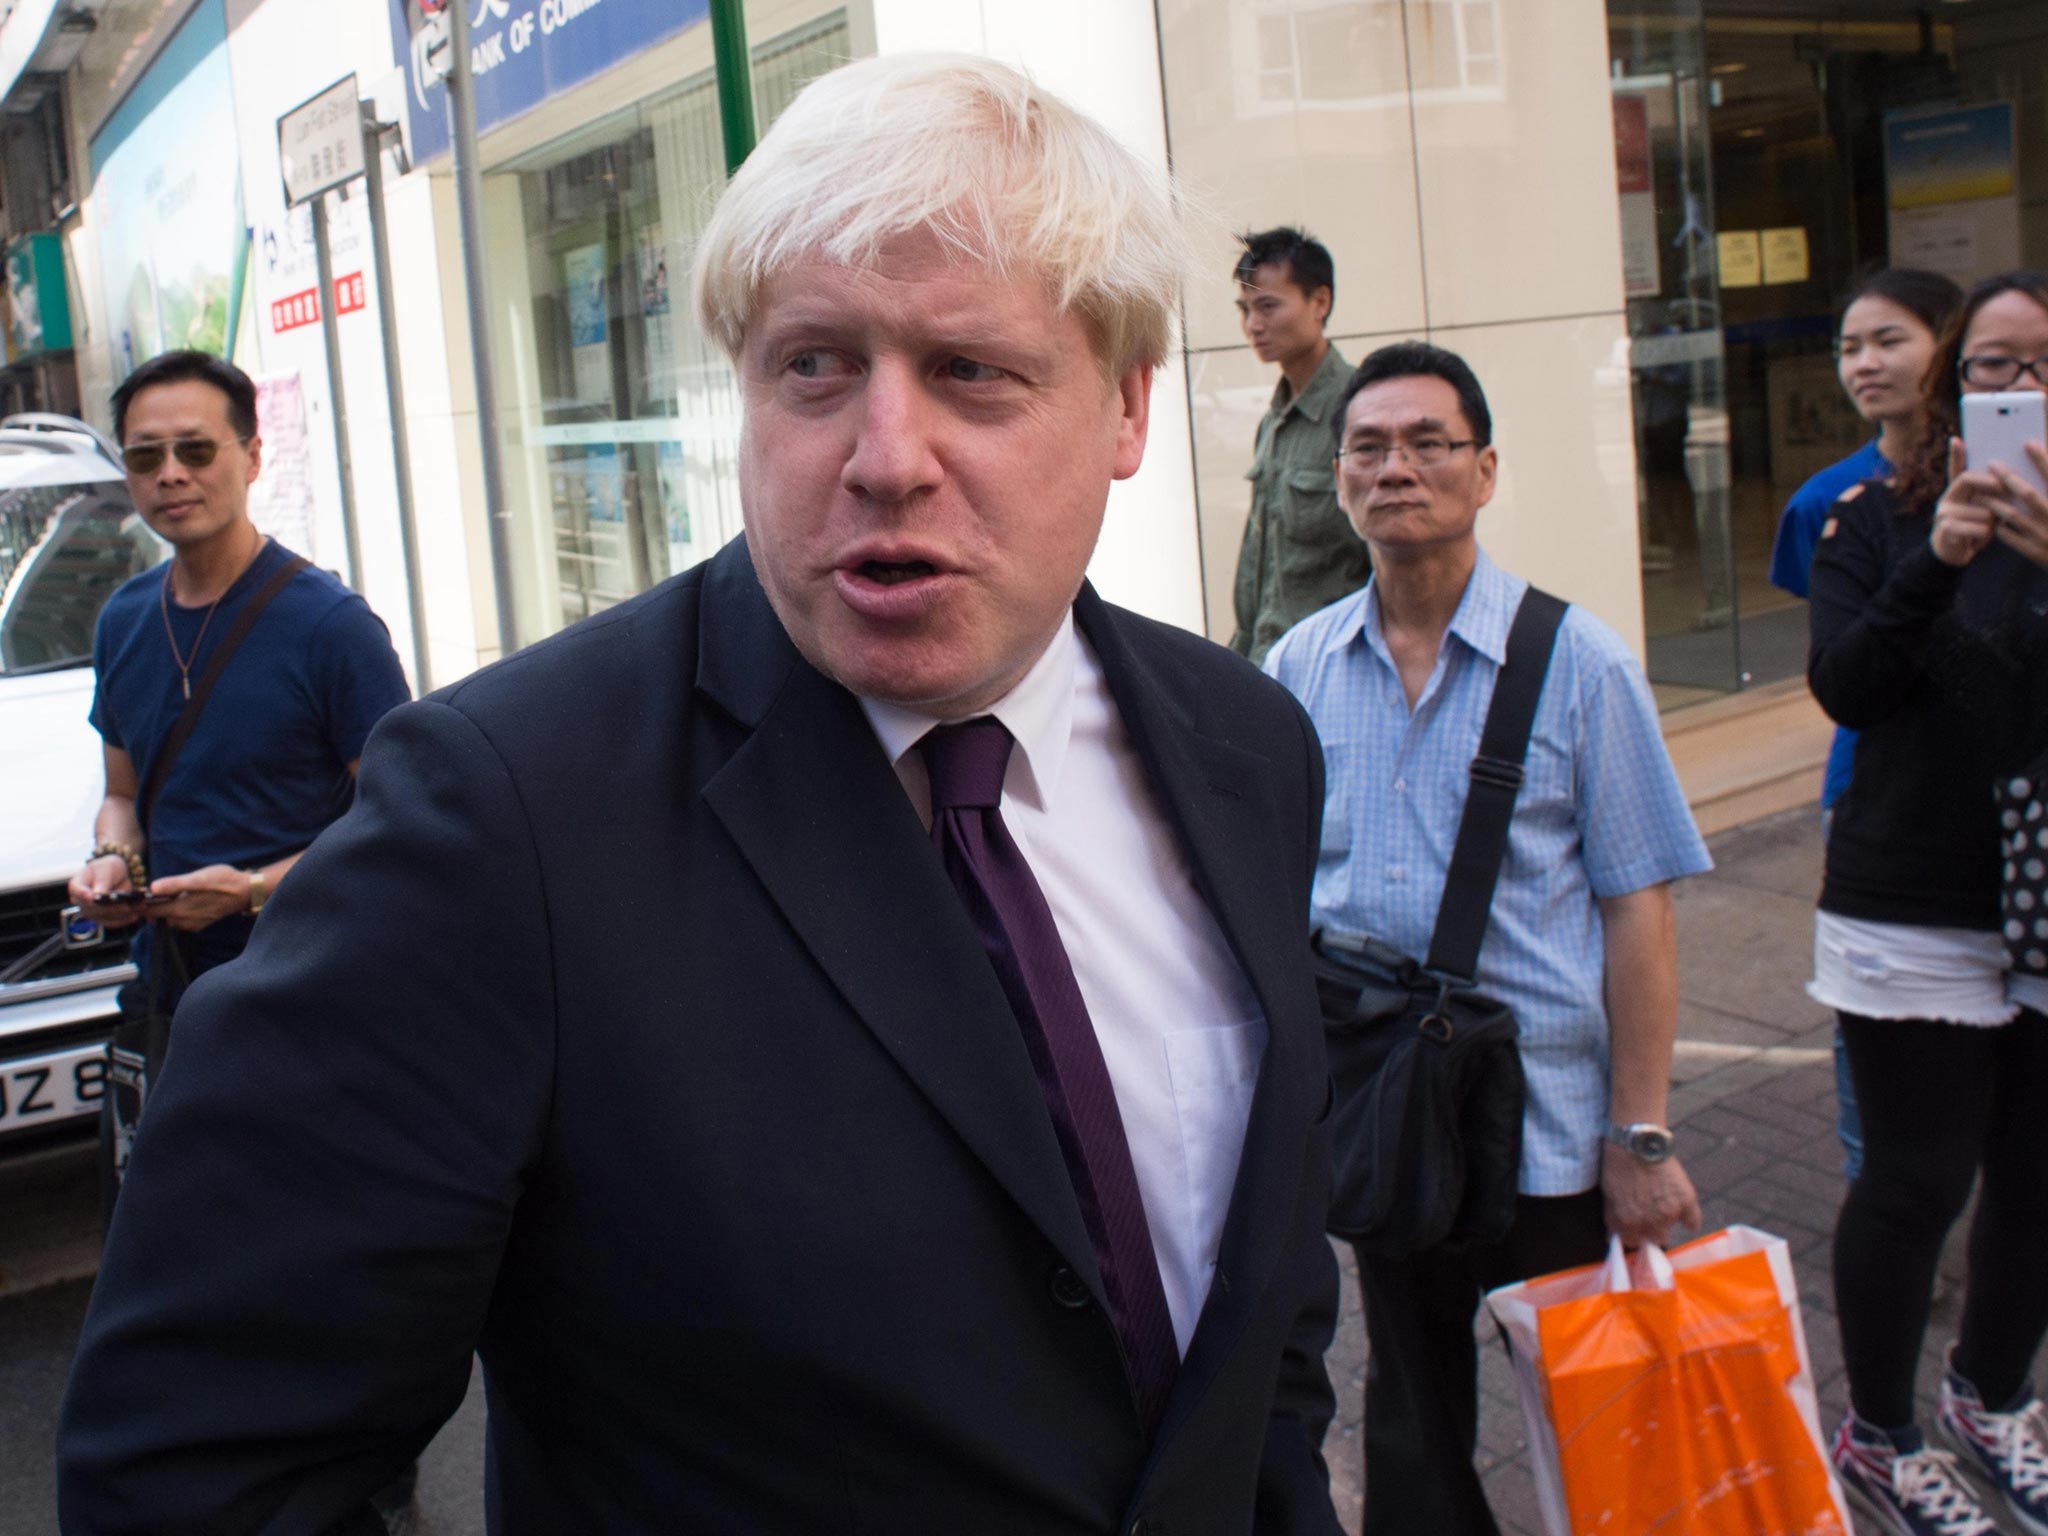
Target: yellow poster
x,y
1741,258
1785,259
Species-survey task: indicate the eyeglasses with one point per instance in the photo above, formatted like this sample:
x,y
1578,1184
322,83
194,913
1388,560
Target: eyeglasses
x,y
2002,372
192,452
1422,452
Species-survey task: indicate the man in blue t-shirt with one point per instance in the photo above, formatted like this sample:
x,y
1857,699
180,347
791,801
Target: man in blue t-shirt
x,y
270,761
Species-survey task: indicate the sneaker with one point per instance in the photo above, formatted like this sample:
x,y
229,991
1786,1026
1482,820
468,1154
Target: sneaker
x,y
1915,1493
2007,1450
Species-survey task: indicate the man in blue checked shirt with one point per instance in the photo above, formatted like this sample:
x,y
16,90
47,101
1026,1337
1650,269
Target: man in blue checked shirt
x,y
1398,678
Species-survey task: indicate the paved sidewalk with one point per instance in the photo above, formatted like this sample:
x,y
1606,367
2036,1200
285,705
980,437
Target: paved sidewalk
x,y
1754,1111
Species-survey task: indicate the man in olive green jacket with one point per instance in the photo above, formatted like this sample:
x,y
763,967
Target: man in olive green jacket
x,y
1299,552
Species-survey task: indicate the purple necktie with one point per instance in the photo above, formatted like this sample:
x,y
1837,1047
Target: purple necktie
x,y
966,763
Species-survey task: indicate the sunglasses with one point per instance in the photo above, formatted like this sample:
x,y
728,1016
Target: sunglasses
x,y
192,452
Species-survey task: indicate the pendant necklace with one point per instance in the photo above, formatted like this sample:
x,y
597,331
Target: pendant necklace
x,y
163,603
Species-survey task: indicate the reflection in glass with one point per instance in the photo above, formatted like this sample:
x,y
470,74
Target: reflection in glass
x,y
622,421
1665,182
64,550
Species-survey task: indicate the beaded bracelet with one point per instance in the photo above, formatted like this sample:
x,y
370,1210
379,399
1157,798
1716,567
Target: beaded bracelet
x,y
138,872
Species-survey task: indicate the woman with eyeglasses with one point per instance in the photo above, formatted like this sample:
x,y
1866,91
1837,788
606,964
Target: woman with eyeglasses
x,y
1930,637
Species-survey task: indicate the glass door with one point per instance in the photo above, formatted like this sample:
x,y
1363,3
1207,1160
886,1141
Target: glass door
x,y
1671,266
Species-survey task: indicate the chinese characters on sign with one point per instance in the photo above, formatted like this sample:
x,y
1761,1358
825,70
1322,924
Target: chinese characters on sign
x,y
320,144
303,308
281,498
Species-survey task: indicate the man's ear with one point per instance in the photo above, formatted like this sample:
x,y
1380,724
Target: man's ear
x,y
1134,419
1319,305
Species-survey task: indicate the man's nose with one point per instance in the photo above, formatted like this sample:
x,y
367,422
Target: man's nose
x,y
1397,465
893,455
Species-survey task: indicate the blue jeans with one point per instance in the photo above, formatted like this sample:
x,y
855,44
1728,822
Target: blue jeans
x,y
1848,1122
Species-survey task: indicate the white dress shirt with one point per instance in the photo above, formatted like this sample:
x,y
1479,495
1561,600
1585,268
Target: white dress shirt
x,y
1180,1028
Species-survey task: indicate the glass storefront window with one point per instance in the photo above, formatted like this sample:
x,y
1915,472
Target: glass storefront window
x,y
1665,182
1756,190
622,422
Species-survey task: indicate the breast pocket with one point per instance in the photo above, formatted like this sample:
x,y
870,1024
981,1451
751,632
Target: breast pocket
x,y
1214,1072
1308,493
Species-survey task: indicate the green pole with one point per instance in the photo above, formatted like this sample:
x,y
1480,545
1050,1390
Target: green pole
x,y
735,80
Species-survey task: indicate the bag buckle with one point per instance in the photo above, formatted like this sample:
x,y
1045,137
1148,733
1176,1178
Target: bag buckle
x,y
1497,771
1436,1024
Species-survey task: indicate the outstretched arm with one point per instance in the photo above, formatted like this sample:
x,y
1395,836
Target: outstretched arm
x,y
308,1236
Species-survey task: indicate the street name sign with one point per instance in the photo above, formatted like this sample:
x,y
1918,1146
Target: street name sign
x,y
320,143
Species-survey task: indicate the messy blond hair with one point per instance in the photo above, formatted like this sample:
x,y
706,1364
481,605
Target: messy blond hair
x,y
970,150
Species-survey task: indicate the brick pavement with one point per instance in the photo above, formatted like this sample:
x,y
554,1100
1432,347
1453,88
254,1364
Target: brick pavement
x,y
1753,1105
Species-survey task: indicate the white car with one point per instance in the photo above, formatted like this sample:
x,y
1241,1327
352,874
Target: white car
x,y
68,537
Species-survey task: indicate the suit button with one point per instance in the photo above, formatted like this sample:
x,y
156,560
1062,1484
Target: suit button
x,y
1068,1289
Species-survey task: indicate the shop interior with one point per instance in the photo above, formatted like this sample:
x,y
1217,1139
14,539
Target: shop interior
x,y
1757,142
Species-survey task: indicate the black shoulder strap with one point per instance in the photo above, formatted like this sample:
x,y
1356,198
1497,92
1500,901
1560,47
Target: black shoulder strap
x,y
188,717
1461,916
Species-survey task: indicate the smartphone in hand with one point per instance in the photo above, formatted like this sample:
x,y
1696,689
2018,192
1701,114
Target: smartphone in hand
x,y
131,899
1997,428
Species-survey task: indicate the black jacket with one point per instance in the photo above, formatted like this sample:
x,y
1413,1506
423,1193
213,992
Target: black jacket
x,y
629,1033
1944,672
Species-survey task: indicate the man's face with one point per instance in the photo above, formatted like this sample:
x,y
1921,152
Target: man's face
x,y
924,461
186,505
1399,506
1280,321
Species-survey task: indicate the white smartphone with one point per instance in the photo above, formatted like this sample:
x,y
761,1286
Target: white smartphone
x,y
1997,428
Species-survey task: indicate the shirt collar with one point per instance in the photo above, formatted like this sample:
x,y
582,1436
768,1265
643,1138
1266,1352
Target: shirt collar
x,y
1038,713
1485,613
1324,384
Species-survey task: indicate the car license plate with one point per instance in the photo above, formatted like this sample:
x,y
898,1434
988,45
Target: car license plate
x,y
45,1090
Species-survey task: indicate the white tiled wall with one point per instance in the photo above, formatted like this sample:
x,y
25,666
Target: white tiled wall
x,y
1457,158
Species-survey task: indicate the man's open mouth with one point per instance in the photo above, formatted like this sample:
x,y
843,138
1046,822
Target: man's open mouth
x,y
891,573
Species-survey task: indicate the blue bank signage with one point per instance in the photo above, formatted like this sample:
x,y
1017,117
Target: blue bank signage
x,y
521,52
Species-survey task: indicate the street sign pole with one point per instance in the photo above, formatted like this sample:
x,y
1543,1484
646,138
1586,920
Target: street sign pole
x,y
320,148
330,330
323,144
394,391
462,161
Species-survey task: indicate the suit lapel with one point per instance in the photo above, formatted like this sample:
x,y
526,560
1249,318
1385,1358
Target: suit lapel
x,y
817,811
1215,794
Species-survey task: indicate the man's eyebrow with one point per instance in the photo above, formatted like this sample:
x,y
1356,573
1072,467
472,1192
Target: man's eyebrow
x,y
1419,424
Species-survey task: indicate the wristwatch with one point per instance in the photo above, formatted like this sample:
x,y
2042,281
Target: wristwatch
x,y
1646,1141
258,891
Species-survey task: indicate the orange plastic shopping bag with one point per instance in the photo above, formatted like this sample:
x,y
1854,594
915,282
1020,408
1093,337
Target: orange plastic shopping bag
x,y
1673,1393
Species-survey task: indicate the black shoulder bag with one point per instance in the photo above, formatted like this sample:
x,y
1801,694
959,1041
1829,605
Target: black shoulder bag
x,y
135,1054
1426,1124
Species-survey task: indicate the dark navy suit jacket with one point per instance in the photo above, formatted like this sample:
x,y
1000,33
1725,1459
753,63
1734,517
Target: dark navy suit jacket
x,y
628,1033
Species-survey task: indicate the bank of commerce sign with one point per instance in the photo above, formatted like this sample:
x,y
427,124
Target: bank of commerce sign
x,y
521,52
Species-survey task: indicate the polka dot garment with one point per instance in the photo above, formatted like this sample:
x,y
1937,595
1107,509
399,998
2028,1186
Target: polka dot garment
x,y
2023,891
